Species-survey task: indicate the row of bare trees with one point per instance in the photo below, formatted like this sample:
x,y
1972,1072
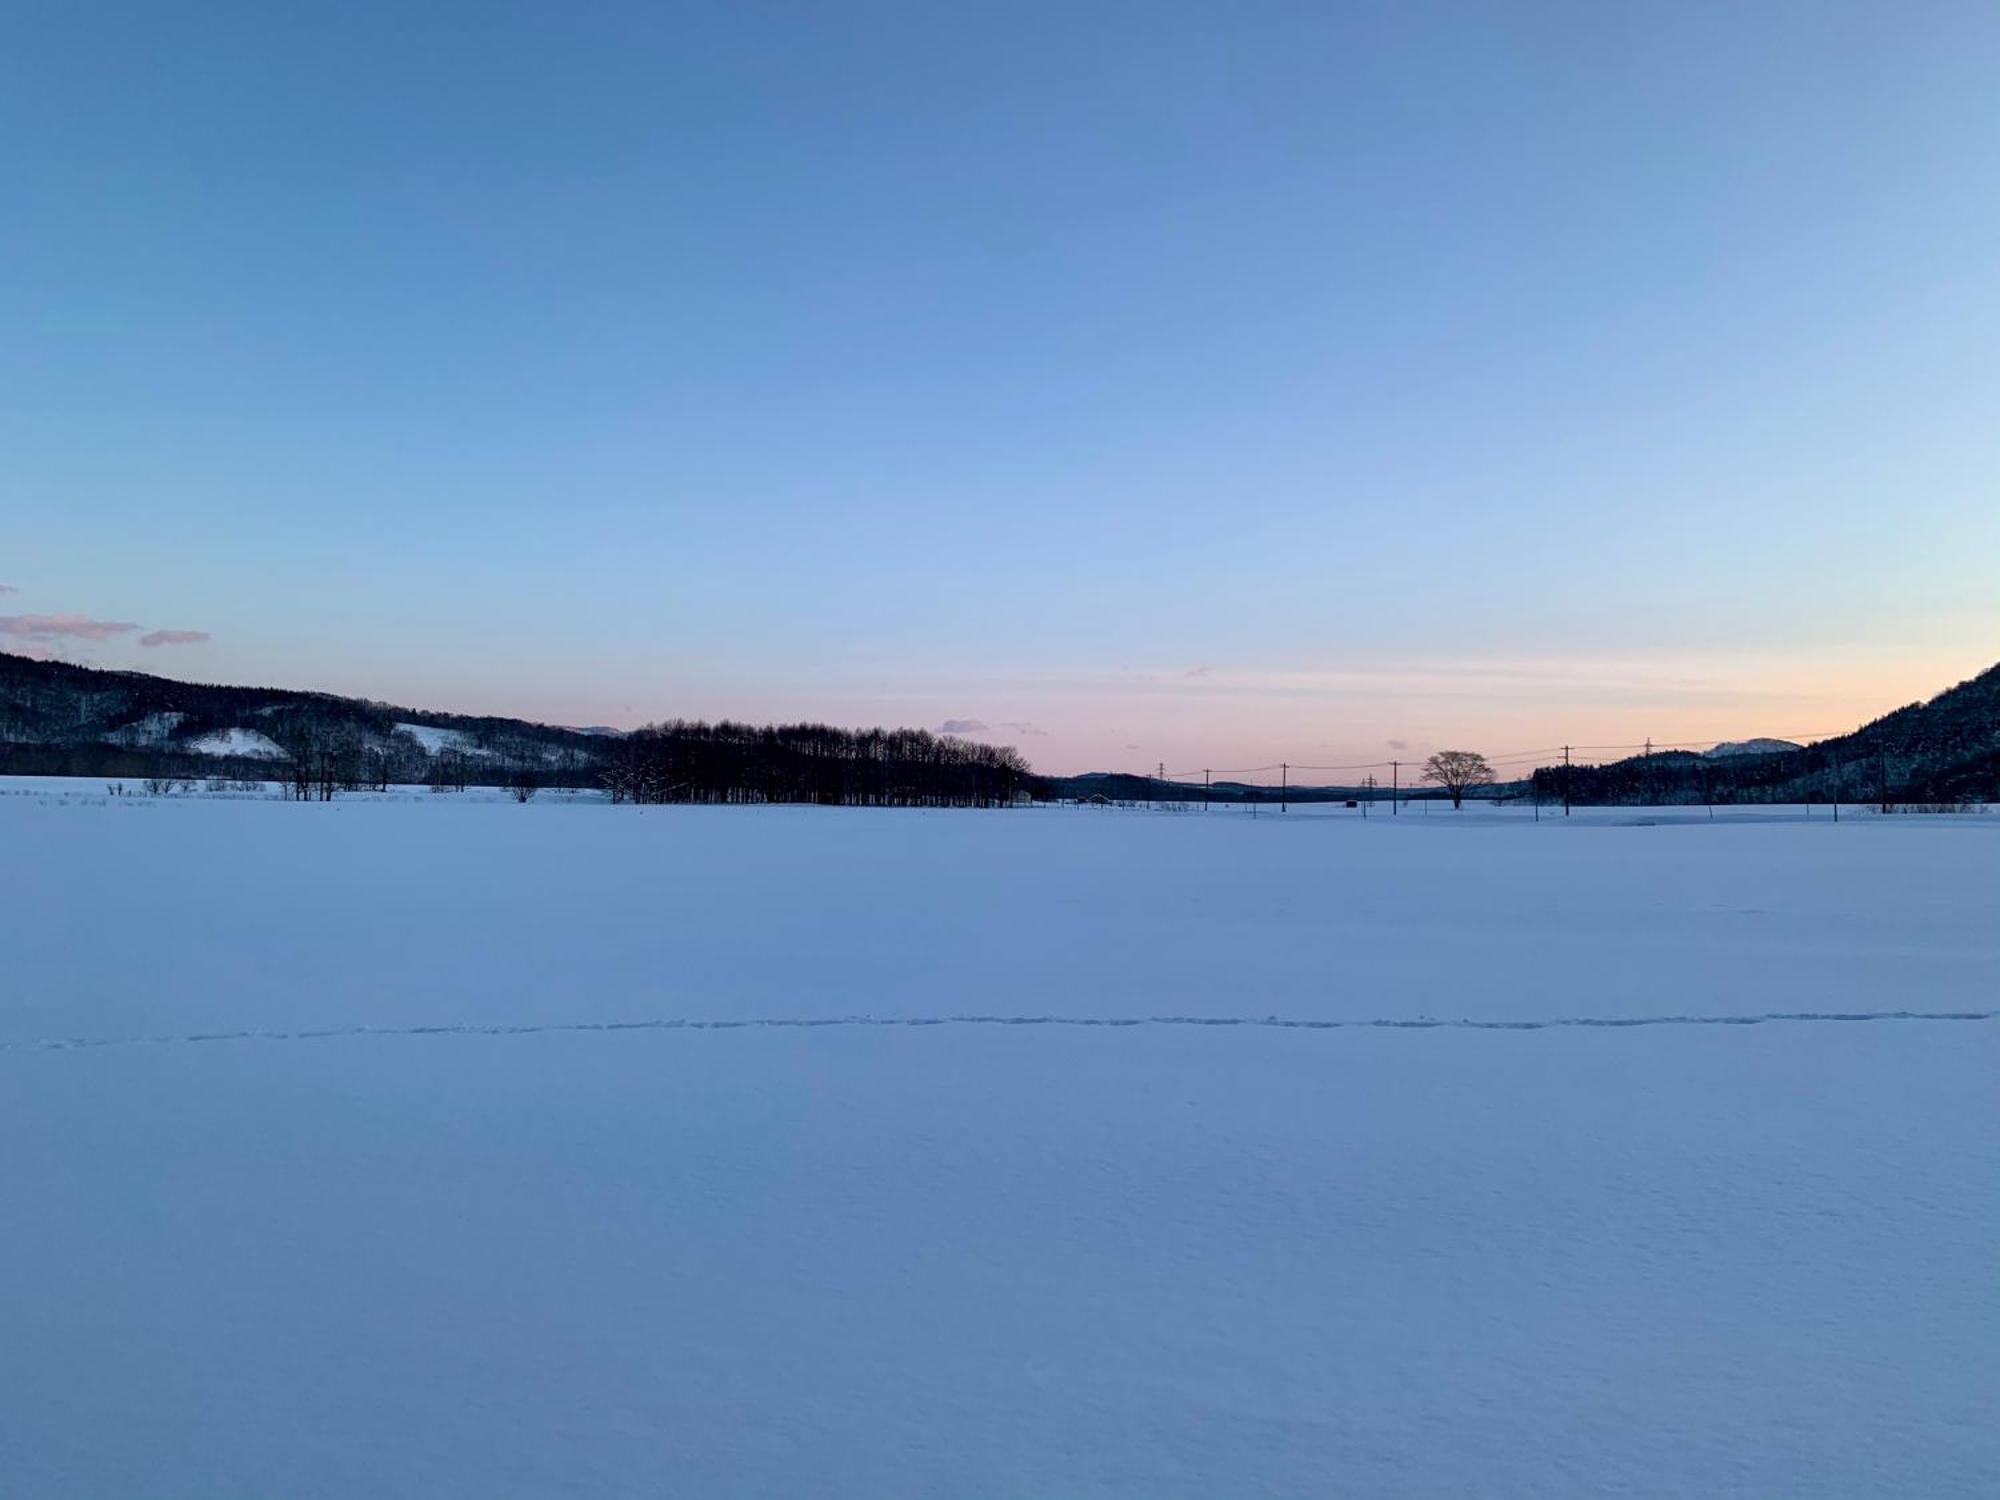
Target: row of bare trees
x,y
688,761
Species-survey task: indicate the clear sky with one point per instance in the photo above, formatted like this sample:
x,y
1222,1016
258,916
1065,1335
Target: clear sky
x,y
1212,384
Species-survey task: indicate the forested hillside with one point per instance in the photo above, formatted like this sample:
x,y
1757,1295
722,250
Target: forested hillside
x,y
1944,750
59,719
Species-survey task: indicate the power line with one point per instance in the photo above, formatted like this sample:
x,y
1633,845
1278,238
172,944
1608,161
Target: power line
x,y
1505,758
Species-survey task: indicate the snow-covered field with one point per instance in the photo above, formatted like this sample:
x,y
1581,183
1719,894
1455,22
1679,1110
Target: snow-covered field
x,y
438,1146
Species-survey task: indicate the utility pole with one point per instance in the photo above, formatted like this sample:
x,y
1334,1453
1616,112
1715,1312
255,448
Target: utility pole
x,y
1204,788
1565,781
1160,770
1284,784
1395,787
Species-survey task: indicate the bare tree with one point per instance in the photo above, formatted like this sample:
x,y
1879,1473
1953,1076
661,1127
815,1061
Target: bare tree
x,y
1458,772
301,744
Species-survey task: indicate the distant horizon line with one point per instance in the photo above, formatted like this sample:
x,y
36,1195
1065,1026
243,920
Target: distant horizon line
x,y
1500,761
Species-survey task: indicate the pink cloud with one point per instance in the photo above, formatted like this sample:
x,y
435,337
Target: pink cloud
x,y
57,627
173,638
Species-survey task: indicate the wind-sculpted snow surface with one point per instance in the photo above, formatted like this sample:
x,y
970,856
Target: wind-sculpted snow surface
x,y
427,1147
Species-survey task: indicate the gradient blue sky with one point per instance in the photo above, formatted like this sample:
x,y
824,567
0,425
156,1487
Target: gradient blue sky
x,y
1199,383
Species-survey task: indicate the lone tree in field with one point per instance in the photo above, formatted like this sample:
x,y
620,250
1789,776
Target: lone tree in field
x,y
1458,772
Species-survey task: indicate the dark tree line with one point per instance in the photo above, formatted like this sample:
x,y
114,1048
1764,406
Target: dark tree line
x,y
108,761
686,761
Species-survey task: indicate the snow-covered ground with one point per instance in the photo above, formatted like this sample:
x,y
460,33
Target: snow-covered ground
x,y
250,743
438,1146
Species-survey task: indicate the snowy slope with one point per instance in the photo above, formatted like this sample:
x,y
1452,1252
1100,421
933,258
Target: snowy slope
x,y
244,742
436,741
992,1259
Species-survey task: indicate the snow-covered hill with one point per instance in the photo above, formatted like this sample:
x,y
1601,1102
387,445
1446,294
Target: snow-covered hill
x,y
248,743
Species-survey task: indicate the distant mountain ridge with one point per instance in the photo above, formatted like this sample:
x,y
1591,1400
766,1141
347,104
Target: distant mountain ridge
x,y
1730,748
